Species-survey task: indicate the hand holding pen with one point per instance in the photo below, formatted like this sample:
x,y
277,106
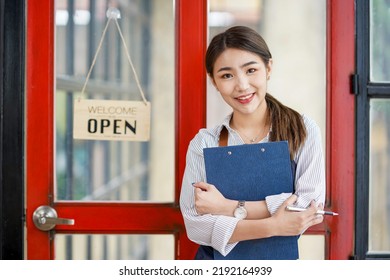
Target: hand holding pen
x,y
320,212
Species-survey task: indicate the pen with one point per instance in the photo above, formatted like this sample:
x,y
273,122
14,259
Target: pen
x,y
322,212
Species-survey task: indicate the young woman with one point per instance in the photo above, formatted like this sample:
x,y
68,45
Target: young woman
x,y
239,65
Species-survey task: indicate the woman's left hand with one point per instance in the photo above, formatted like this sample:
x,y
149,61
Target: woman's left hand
x,y
209,200
294,223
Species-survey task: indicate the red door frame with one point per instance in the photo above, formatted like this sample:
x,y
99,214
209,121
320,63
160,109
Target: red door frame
x,y
191,38
340,127
113,217
39,119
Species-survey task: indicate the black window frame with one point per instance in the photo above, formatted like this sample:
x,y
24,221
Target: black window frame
x,y
12,81
366,91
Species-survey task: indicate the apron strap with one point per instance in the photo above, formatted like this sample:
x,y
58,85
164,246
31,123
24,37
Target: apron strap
x,y
223,137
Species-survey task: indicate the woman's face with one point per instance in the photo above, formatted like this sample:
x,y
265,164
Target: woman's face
x,y
241,78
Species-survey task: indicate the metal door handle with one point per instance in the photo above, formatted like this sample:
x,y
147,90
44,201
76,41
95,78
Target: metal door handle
x,y
45,218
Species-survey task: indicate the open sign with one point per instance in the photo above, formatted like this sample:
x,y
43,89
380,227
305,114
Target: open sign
x,y
111,120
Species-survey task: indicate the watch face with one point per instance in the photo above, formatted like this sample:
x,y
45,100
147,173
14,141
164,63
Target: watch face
x,y
240,213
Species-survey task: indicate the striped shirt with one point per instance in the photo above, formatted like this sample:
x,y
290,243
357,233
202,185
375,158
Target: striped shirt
x,y
216,230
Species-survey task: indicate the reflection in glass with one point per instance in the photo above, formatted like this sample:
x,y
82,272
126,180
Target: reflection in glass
x,y
114,247
115,170
379,203
380,40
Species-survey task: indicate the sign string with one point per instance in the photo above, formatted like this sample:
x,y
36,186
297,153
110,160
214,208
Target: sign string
x,y
113,13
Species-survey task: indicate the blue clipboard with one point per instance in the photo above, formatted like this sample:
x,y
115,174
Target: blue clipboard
x,y
252,172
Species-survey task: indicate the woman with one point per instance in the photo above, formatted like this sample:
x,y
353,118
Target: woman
x,y
239,65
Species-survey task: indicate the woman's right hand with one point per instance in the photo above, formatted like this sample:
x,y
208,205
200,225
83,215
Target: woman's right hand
x,y
293,223
209,200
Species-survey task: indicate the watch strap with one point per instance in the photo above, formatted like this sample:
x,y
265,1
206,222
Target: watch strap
x,y
241,203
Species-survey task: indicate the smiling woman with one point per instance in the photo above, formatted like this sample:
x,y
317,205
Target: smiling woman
x,y
241,79
239,64
299,77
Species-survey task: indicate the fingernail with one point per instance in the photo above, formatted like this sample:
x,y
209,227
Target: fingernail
x,y
193,184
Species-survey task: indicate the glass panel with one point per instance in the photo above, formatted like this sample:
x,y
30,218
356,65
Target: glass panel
x,y
311,247
379,211
299,69
115,170
380,40
114,247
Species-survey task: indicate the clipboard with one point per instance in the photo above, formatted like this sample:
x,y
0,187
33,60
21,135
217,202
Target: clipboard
x,y
251,172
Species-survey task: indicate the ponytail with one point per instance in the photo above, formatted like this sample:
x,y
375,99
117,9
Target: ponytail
x,y
287,125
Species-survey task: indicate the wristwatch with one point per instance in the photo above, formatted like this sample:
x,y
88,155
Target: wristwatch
x,y
240,212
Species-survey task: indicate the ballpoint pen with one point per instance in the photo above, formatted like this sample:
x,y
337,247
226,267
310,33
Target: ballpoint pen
x,y
321,212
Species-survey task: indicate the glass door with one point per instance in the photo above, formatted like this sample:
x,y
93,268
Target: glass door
x,y
103,199
115,171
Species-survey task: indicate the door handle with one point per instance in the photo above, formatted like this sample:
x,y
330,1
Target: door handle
x,y
45,218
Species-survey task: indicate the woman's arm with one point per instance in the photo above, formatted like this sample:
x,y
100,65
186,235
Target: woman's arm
x,y
208,200
283,223
259,223
210,230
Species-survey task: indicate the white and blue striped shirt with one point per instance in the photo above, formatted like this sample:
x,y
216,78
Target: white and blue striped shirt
x,y
216,230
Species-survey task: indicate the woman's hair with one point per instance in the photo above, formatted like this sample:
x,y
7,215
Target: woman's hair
x,y
287,124
238,37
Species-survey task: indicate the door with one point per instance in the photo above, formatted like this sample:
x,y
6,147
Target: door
x,y
112,199
104,189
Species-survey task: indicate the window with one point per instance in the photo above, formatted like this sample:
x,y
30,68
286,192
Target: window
x,y
89,170
373,131
120,171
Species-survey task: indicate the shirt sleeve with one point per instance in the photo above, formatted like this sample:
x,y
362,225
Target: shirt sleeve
x,y
209,230
310,172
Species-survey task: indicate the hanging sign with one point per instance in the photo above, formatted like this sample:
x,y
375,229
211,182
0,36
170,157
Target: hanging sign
x,y
111,120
